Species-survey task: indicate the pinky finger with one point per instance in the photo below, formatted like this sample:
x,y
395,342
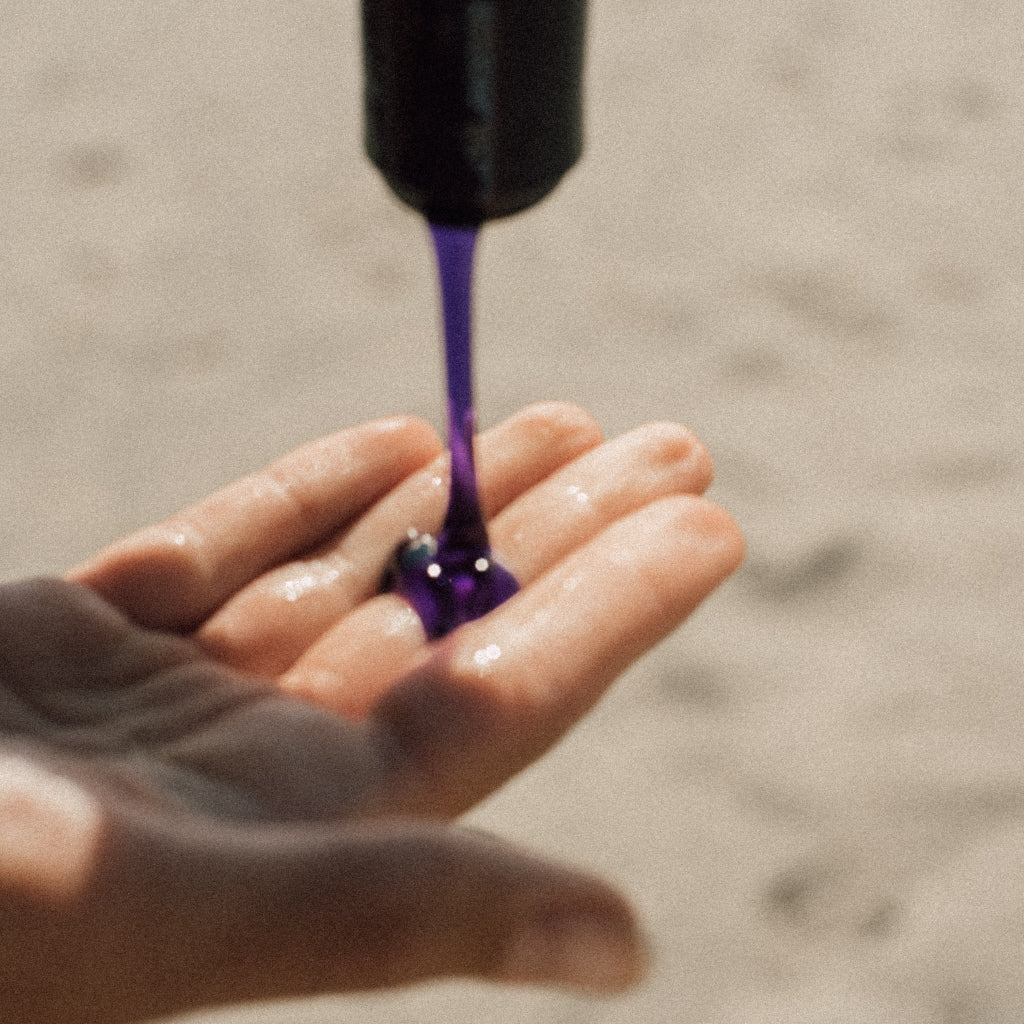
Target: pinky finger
x,y
174,574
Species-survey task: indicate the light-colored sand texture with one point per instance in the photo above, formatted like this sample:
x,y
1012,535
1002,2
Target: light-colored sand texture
x,y
799,229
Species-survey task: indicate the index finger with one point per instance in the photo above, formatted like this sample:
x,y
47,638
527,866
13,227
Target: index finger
x,y
498,692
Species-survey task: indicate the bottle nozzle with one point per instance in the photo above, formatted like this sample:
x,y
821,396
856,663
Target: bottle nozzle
x,y
473,107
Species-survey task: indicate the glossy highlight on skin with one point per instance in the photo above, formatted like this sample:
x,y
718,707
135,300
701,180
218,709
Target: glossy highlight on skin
x,y
452,579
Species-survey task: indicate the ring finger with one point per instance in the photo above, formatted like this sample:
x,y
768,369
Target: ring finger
x,y
267,625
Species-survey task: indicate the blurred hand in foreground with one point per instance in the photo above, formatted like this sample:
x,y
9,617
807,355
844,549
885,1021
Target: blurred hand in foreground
x,y
228,764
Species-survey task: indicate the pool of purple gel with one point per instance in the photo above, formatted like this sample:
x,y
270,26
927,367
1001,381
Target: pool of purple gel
x,y
452,579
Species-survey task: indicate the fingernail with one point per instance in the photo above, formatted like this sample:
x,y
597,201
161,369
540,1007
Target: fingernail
x,y
579,950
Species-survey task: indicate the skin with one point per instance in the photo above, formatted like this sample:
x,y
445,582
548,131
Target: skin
x,y
229,767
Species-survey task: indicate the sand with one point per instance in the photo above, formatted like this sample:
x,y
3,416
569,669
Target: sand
x,y
798,228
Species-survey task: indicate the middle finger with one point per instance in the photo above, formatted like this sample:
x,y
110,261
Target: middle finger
x,y
382,640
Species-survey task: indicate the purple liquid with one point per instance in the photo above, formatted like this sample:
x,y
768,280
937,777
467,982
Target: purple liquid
x,y
452,579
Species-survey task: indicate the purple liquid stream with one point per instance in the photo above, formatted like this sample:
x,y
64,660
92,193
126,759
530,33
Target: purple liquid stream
x,y
452,579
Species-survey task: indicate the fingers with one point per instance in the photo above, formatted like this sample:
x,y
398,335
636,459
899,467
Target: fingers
x,y
349,668
176,573
352,665
498,692
526,448
612,481
176,920
271,622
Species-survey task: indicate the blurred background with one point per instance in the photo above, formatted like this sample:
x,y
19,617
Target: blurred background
x,y
797,228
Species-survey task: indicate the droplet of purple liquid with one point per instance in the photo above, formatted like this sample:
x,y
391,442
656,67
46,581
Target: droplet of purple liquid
x,y
452,579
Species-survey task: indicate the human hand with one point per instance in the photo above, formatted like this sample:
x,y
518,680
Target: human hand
x,y
228,761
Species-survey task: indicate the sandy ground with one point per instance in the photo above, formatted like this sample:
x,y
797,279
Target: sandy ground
x,y
799,229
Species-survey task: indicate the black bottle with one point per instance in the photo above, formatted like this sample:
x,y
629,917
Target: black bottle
x,y
473,107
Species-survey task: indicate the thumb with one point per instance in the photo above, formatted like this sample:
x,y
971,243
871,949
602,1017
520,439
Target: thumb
x,y
290,912
404,902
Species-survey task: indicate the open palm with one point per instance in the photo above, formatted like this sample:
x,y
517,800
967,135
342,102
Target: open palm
x,y
228,763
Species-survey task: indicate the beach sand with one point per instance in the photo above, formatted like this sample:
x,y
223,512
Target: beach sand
x,y
798,228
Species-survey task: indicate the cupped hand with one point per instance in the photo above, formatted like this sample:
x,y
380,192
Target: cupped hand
x,y
228,763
